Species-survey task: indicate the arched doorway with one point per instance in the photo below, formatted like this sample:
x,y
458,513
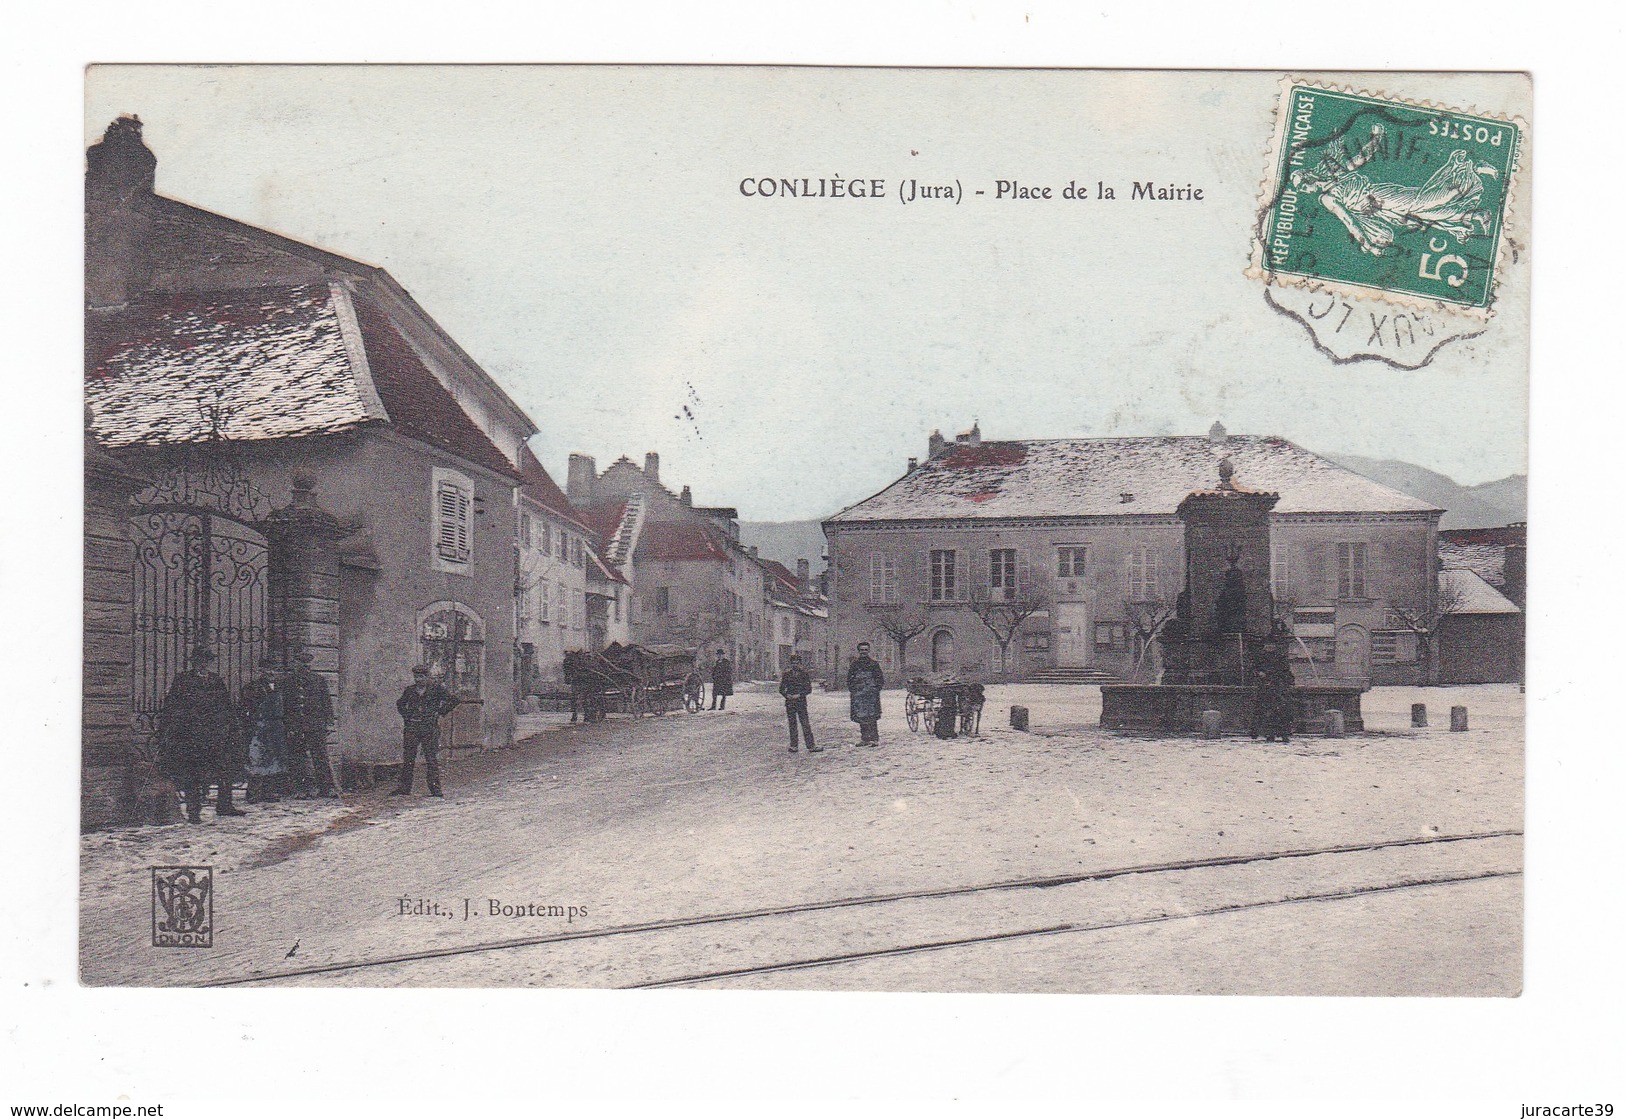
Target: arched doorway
x,y
453,643
1353,652
942,651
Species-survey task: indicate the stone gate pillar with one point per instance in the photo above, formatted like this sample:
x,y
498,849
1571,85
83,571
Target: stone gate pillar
x,y
303,613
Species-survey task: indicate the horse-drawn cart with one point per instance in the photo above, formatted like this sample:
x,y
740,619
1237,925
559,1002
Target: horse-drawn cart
x,y
627,679
930,704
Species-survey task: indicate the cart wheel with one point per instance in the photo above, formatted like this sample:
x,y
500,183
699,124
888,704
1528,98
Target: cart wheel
x,y
913,719
930,716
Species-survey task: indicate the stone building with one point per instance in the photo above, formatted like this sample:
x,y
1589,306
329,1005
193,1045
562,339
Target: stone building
x,y
692,582
554,580
301,460
797,619
1481,618
1061,558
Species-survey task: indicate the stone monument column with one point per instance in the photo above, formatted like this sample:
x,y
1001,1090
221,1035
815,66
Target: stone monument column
x,y
1227,558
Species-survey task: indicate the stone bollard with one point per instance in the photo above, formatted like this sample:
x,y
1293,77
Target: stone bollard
x,y
1419,714
1458,718
1018,717
1212,723
1334,724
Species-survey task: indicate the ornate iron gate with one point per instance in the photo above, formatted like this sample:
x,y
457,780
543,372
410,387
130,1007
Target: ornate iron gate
x,y
199,580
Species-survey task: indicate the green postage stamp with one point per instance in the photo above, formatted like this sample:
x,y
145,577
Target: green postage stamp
x,y
1386,197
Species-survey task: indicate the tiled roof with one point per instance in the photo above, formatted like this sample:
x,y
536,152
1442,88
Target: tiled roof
x,y
538,485
682,540
418,404
274,360
1472,594
781,574
602,520
270,363
1118,477
1487,561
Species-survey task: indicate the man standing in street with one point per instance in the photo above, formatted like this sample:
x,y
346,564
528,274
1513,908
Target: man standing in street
x,y
795,685
421,705
198,728
722,681
309,715
864,680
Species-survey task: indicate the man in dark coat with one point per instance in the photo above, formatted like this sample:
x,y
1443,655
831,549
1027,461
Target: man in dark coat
x,y
309,714
421,705
722,681
795,685
864,681
199,730
1272,677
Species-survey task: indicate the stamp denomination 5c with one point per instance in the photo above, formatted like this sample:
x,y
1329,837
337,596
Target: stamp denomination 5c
x,y
1372,196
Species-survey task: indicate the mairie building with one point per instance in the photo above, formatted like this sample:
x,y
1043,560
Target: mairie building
x,y
1080,539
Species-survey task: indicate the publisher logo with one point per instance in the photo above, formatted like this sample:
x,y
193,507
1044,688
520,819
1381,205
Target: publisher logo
x,y
183,906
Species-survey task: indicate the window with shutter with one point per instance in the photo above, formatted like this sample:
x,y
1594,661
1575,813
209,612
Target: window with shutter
x,y
882,578
1142,575
944,575
453,527
1351,561
1001,573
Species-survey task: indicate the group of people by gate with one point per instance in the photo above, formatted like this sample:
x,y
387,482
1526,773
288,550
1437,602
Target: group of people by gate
x,y
274,732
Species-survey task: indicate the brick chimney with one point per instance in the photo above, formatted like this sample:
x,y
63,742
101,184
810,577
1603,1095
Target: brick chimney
x,y
119,177
935,445
582,483
913,464
651,466
687,497
803,573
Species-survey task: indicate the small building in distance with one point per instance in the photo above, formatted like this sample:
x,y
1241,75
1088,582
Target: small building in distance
x,y
1062,558
1483,585
798,619
557,573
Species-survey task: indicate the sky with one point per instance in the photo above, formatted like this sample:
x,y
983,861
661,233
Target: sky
x,y
581,231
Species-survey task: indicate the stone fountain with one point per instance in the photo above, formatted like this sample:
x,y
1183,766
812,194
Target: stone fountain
x,y
1223,626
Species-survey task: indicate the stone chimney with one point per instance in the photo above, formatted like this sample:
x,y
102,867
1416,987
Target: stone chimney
x,y
974,435
935,445
651,467
1514,573
1217,433
687,497
119,176
582,483
913,464
754,551
803,573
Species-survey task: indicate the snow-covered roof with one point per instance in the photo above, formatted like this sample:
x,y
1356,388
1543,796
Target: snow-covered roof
x,y
1144,476
271,363
266,363
1471,594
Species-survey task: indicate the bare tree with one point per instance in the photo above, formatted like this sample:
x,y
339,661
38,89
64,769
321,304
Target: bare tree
x,y
902,625
1146,618
1004,616
1423,614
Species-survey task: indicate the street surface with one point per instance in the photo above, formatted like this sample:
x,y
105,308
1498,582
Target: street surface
x,y
695,850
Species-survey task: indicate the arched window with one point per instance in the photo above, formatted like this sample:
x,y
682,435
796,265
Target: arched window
x,y
453,640
942,651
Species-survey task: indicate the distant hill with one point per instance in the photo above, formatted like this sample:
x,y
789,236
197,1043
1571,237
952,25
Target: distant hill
x,y
1487,505
786,541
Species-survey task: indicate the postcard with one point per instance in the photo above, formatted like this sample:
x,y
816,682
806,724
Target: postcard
x,y
805,528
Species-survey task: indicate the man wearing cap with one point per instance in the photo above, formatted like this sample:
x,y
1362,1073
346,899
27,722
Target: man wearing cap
x,y
864,681
421,705
795,685
198,727
722,681
309,713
